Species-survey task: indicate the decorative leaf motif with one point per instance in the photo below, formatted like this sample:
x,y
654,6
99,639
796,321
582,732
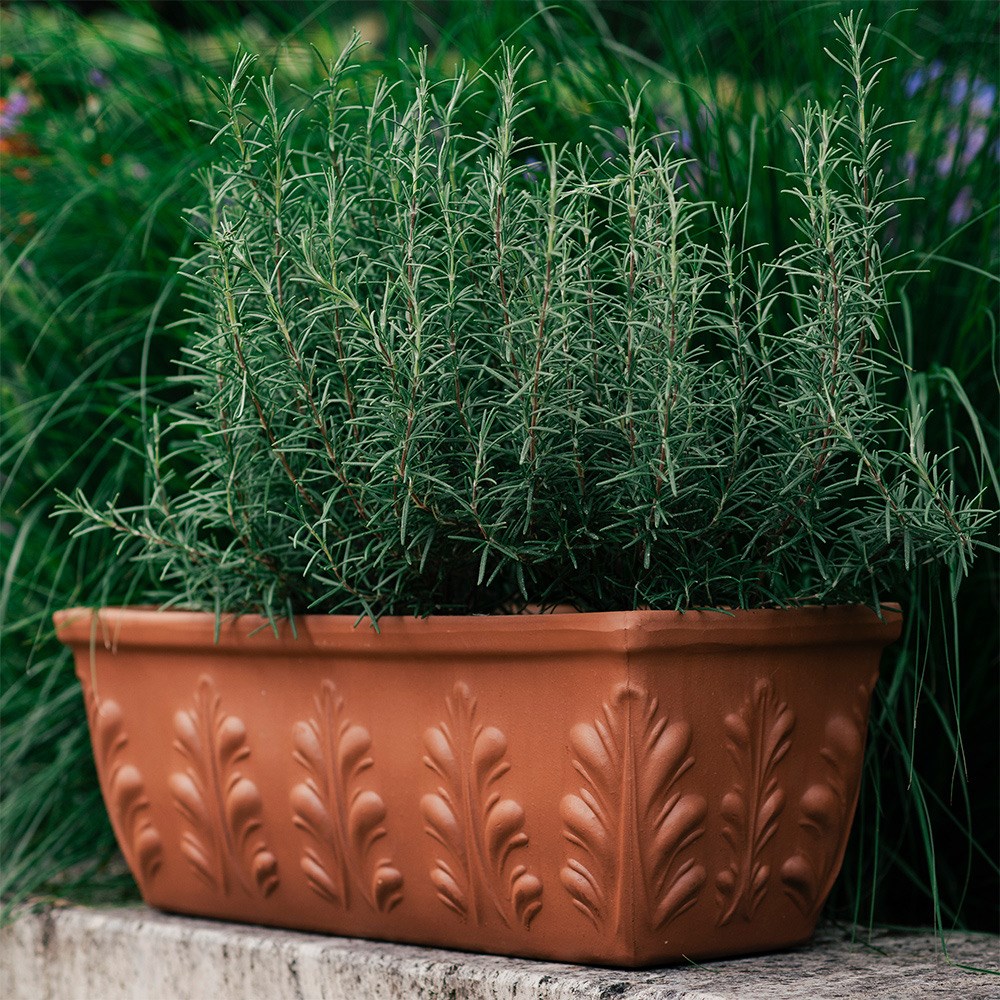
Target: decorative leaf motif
x,y
808,874
479,830
124,789
630,759
222,807
343,819
758,737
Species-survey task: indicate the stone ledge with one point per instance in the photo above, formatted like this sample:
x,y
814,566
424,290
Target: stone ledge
x,y
139,954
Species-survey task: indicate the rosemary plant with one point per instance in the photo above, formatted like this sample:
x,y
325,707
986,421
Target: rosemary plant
x,y
435,371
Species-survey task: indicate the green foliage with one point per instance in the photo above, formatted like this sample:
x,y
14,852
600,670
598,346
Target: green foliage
x,y
427,379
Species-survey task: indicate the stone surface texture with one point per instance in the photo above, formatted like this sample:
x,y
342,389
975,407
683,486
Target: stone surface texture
x,y
138,954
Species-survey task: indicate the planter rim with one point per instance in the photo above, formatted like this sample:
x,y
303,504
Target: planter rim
x,y
490,635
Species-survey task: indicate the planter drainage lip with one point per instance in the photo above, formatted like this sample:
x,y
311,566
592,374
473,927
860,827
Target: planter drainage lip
x,y
459,635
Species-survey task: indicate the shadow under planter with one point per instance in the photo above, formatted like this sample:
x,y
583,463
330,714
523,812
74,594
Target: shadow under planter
x,y
625,788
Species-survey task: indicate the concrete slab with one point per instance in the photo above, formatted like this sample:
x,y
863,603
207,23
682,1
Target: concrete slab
x,y
139,954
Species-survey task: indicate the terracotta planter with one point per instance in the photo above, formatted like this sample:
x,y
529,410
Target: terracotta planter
x,y
624,789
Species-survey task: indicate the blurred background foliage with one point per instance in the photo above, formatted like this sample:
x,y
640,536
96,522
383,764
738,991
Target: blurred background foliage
x,y
98,143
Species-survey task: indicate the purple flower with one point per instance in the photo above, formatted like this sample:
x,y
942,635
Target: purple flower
x,y
961,207
910,165
12,110
676,131
28,267
974,142
984,98
918,78
96,78
914,81
533,169
139,171
958,91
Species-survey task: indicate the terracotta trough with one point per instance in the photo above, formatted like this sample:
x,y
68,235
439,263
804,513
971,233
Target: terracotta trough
x,y
626,789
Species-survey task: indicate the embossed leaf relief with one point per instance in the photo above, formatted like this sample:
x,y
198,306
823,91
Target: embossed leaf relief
x,y
808,875
224,843
342,817
479,831
758,737
124,788
630,760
